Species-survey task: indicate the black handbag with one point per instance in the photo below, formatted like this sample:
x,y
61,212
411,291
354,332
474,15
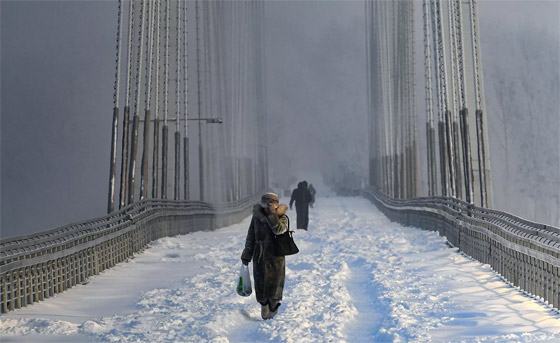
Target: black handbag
x,y
284,244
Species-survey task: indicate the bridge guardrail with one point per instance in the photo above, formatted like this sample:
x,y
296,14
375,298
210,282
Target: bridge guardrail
x,y
524,253
36,266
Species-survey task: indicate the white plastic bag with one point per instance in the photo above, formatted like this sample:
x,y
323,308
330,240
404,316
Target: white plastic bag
x,y
244,283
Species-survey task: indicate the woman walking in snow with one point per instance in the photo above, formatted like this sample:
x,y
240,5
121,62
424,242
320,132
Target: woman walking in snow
x,y
269,271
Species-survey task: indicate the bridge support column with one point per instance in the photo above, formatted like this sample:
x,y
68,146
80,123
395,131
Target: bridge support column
x,y
133,152
113,165
124,158
145,146
164,146
467,163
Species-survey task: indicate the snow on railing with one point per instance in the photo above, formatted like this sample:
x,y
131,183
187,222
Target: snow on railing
x,y
525,254
37,266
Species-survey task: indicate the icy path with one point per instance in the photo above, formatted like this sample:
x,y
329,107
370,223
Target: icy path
x,y
358,278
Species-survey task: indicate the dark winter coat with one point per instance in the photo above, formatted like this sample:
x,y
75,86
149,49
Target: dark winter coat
x,y
302,197
269,271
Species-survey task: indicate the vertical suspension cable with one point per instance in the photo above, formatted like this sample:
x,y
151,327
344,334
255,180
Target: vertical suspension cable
x,y
456,96
383,90
454,107
432,189
445,97
464,118
240,113
398,90
147,102
116,87
126,116
412,102
177,150
207,100
479,106
115,125
165,131
200,156
136,118
223,162
368,91
441,103
235,99
155,153
186,185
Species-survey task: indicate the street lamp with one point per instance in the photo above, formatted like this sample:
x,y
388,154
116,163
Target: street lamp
x,y
210,120
200,159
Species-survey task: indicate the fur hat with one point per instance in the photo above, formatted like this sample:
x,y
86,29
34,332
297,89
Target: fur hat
x,y
267,198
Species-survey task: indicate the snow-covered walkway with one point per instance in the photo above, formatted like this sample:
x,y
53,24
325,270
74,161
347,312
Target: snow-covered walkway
x,y
358,278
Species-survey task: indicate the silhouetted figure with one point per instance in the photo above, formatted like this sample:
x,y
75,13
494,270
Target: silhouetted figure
x,y
302,197
312,191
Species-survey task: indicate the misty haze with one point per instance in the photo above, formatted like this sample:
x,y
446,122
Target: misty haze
x,y
280,171
58,70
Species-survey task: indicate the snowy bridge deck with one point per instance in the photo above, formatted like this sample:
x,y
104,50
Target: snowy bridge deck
x,y
358,278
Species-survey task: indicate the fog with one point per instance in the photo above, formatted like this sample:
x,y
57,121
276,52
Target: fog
x,y
316,91
521,63
57,75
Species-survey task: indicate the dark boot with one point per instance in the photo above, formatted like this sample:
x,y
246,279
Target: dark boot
x,y
265,312
273,307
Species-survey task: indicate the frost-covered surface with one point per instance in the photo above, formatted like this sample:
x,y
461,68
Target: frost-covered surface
x,y
520,56
521,61
358,278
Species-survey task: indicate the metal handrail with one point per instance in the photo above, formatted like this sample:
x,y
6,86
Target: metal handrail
x,y
67,236
33,243
460,207
524,253
35,267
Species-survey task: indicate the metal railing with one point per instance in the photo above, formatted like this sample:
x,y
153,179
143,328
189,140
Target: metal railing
x,y
524,253
37,266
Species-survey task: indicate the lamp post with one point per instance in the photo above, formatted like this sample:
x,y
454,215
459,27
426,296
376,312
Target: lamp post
x,y
200,158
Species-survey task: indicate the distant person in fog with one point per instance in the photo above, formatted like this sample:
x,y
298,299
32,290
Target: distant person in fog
x,y
302,198
312,192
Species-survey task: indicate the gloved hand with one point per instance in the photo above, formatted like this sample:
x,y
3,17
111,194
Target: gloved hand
x,y
245,262
281,210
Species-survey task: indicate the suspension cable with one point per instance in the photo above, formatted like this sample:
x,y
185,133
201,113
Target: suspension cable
x,y
147,98
454,57
118,57
186,68
166,65
115,124
150,54
139,59
428,65
441,53
178,66
461,57
476,57
157,43
186,191
155,152
129,51
436,57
